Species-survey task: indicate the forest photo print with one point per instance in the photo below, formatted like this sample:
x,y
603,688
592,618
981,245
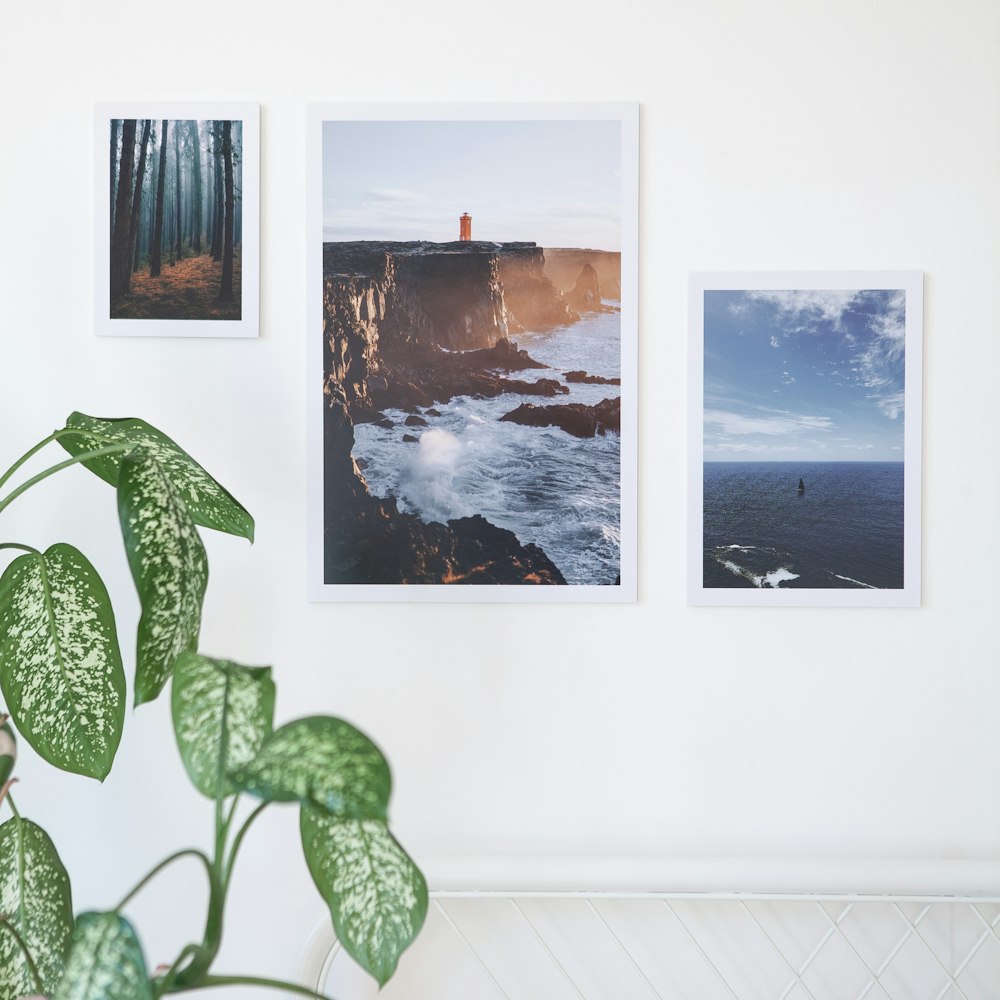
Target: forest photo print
x,y
175,226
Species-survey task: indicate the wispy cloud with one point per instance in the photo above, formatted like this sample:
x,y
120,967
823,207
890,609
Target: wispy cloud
x,y
775,342
744,448
808,306
776,423
891,406
398,196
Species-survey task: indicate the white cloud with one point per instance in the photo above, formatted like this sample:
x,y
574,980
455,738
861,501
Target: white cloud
x,y
891,406
778,423
742,448
807,306
774,342
398,195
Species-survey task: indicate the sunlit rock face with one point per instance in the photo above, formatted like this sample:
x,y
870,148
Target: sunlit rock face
x,y
533,302
563,267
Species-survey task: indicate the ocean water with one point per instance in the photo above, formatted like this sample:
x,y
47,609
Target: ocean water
x,y
844,531
548,487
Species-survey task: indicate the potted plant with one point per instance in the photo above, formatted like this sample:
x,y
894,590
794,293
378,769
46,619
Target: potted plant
x,y
63,683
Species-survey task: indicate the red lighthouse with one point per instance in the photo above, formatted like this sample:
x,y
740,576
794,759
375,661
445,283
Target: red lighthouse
x,y
465,227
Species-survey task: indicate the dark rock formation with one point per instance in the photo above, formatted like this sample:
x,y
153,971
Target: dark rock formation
x,y
563,267
575,418
370,541
585,295
418,376
410,439
431,412
459,296
407,325
591,379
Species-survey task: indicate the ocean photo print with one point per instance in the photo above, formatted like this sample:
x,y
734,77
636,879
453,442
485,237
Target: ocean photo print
x,y
808,440
477,331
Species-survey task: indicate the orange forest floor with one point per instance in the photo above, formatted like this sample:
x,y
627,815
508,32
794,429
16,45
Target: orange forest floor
x,y
188,289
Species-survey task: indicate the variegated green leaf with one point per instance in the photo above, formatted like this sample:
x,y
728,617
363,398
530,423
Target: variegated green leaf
x,y
321,761
376,894
105,962
60,668
222,712
209,504
169,567
35,898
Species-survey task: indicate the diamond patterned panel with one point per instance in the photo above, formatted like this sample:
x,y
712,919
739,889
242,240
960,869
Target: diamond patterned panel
x,y
499,946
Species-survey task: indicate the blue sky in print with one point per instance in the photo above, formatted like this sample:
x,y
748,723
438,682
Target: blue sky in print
x,y
804,375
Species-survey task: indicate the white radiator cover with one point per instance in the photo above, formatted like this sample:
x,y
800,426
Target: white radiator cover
x,y
543,930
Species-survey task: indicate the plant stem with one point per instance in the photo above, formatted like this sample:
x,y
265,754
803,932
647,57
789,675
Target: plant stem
x,y
204,955
5,791
18,545
274,984
85,457
24,458
10,802
162,985
12,930
163,864
228,869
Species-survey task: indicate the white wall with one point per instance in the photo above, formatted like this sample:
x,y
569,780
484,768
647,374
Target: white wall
x,y
777,134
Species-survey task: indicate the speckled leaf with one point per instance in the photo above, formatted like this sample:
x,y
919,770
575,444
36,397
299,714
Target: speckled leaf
x,y
222,712
60,668
169,567
209,503
105,962
321,761
35,897
376,894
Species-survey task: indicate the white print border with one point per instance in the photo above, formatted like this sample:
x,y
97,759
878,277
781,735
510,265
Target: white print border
x,y
625,591
248,325
911,283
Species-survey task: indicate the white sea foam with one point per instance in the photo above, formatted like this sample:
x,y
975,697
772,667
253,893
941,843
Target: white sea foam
x,y
849,579
559,492
774,578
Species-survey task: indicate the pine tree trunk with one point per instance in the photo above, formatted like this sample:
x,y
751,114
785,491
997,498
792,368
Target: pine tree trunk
x,y
226,291
140,179
220,212
121,249
155,260
178,249
196,163
114,163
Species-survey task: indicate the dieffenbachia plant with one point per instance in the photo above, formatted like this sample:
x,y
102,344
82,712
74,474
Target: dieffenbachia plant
x,y
63,682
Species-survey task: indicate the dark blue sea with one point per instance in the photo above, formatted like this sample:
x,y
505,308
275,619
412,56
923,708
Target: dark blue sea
x,y
844,530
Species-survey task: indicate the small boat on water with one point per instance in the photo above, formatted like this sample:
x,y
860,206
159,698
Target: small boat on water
x,y
802,487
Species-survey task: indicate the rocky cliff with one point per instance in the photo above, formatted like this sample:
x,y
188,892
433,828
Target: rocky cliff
x,y
408,325
563,266
368,540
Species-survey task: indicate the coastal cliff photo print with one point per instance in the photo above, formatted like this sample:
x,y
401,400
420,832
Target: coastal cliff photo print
x,y
805,450
473,336
176,220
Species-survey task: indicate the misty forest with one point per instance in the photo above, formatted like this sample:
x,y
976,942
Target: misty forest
x,y
176,198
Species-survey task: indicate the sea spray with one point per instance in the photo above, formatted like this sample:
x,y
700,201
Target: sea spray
x,y
550,489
